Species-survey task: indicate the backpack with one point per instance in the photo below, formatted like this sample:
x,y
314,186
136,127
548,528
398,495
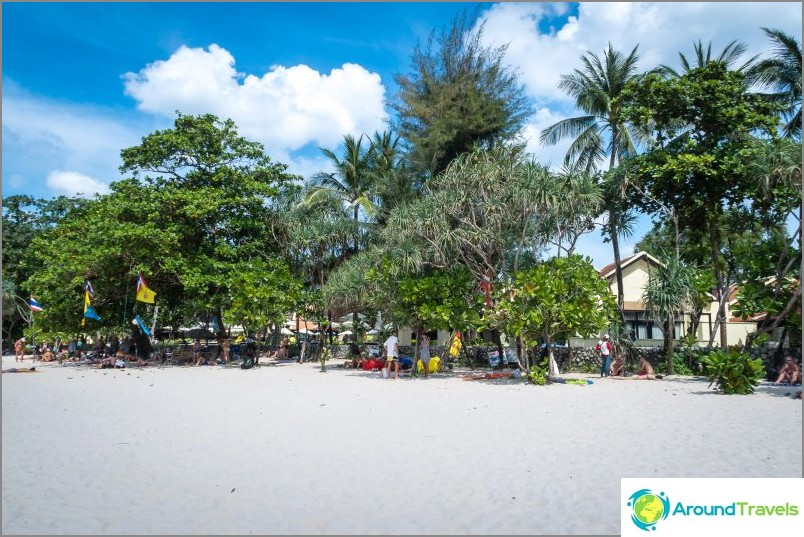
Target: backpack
x,y
248,362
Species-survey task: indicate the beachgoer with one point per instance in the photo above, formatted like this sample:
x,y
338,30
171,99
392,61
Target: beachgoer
x,y
225,344
71,348
604,347
424,354
48,356
198,356
19,350
392,352
645,370
790,372
114,346
618,366
100,349
352,356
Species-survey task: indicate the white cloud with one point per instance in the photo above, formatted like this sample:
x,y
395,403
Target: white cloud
x,y
285,108
75,184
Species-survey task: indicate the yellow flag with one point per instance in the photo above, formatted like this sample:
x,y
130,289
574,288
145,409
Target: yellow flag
x,y
455,348
144,294
86,304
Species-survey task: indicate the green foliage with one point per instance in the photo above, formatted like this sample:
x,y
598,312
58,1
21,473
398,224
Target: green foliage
x,y
192,220
681,365
538,373
557,299
733,372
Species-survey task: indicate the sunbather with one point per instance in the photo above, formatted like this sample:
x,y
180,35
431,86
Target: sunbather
x,y
618,367
645,371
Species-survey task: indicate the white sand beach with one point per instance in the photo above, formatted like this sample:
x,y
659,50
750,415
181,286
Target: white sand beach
x,y
284,449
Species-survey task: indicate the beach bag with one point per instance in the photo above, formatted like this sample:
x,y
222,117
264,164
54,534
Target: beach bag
x,y
248,362
120,364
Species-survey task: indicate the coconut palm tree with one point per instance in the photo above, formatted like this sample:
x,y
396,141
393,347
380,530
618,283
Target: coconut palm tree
x,y
352,181
782,73
729,55
595,89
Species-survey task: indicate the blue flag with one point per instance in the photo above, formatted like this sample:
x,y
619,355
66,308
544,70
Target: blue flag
x,y
143,327
90,313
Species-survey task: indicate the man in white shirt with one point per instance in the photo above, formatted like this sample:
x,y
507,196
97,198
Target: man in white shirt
x,y
392,354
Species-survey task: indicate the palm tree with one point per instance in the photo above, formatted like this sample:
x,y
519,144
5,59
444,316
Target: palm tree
x,y
595,89
669,293
351,182
729,55
782,73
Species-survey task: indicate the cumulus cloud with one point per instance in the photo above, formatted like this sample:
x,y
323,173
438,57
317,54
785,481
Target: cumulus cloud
x,y
285,108
75,184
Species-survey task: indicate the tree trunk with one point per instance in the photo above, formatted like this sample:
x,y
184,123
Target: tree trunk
x,y
714,237
414,372
668,343
618,272
498,341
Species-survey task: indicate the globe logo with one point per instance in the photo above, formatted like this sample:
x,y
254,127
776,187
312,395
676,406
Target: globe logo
x,y
648,508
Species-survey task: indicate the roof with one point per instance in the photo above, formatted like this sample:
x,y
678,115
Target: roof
x,y
608,270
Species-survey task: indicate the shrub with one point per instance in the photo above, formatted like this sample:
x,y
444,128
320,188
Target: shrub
x,y
538,373
681,365
733,371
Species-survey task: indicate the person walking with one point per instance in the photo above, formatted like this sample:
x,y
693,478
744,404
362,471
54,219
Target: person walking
x,y
392,353
604,347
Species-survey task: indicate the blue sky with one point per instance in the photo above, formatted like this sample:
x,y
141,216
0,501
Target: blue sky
x,y
81,81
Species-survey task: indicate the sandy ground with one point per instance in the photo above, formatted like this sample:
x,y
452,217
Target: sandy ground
x,y
284,449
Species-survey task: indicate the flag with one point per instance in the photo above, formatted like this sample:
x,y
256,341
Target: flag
x,y
88,287
144,294
89,311
35,306
142,326
455,348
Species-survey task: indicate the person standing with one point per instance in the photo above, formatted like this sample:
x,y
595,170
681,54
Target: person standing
x,y
392,353
225,344
604,347
19,350
198,355
114,346
424,354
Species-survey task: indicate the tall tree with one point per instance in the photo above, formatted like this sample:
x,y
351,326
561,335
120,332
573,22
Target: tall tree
x,y
601,131
703,121
782,73
459,94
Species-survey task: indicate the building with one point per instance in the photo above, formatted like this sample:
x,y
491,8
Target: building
x,y
646,331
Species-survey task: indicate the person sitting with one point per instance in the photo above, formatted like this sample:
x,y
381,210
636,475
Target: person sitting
x,y
789,373
352,356
645,370
48,356
618,366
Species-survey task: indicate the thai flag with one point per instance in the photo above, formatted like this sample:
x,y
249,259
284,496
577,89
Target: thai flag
x,y
88,287
35,306
141,282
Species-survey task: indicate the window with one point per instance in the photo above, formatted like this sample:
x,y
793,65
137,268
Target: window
x,y
639,326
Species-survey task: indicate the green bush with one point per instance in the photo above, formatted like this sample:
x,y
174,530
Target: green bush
x,y
538,373
681,365
733,372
